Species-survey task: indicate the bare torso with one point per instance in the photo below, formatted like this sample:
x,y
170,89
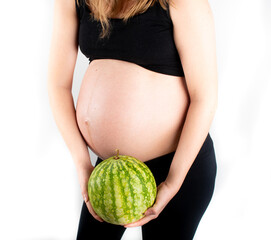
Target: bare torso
x,y
124,106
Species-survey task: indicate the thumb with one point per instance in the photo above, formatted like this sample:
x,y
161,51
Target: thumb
x,y
85,196
150,211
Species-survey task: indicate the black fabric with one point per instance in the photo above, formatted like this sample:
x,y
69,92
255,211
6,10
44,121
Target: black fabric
x,y
180,218
146,39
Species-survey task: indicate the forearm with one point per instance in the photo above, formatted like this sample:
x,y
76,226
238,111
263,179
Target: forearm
x,y
62,105
195,130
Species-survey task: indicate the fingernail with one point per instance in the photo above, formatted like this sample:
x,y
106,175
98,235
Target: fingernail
x,y
149,212
85,198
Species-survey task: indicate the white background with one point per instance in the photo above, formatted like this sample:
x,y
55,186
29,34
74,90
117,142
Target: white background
x,y
39,190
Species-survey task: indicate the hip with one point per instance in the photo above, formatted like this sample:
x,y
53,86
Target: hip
x,y
204,166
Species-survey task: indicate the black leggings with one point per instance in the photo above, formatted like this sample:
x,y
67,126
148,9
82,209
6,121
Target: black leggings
x,y
180,218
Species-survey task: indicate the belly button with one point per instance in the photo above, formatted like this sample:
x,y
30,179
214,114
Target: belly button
x,y
86,121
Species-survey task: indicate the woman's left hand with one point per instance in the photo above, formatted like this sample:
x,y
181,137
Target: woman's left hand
x,y
164,194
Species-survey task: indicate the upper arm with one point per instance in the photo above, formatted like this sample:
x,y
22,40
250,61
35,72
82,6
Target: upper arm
x,y
194,36
64,45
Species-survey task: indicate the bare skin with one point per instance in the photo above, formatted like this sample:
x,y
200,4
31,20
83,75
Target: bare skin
x,y
123,105
143,113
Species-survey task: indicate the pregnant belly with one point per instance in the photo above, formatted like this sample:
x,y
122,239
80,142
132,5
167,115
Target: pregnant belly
x,y
124,106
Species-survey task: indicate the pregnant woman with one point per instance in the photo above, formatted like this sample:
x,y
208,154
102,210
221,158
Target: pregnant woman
x,y
150,90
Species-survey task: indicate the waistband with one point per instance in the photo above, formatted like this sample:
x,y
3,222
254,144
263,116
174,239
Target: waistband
x,y
206,146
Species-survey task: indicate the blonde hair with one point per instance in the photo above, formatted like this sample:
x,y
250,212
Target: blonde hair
x,y
102,10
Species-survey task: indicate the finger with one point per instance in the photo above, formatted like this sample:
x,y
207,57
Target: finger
x,y
90,208
140,222
150,214
85,196
92,212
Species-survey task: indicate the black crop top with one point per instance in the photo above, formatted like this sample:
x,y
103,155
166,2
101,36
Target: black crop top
x,y
146,39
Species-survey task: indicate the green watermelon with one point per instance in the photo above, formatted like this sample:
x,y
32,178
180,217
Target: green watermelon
x,y
121,188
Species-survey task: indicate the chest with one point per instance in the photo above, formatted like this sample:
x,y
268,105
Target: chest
x,y
140,37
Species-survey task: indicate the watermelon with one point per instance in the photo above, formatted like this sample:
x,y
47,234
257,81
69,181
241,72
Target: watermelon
x,y
121,188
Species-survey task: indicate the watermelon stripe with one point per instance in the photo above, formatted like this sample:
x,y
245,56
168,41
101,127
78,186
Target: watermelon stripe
x,y
118,193
97,174
104,182
123,193
98,169
138,174
140,169
94,187
112,183
148,178
131,189
141,165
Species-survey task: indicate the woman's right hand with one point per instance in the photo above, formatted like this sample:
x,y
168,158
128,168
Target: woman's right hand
x,y
83,175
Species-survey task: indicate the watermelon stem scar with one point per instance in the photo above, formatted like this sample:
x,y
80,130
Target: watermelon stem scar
x,y
117,157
